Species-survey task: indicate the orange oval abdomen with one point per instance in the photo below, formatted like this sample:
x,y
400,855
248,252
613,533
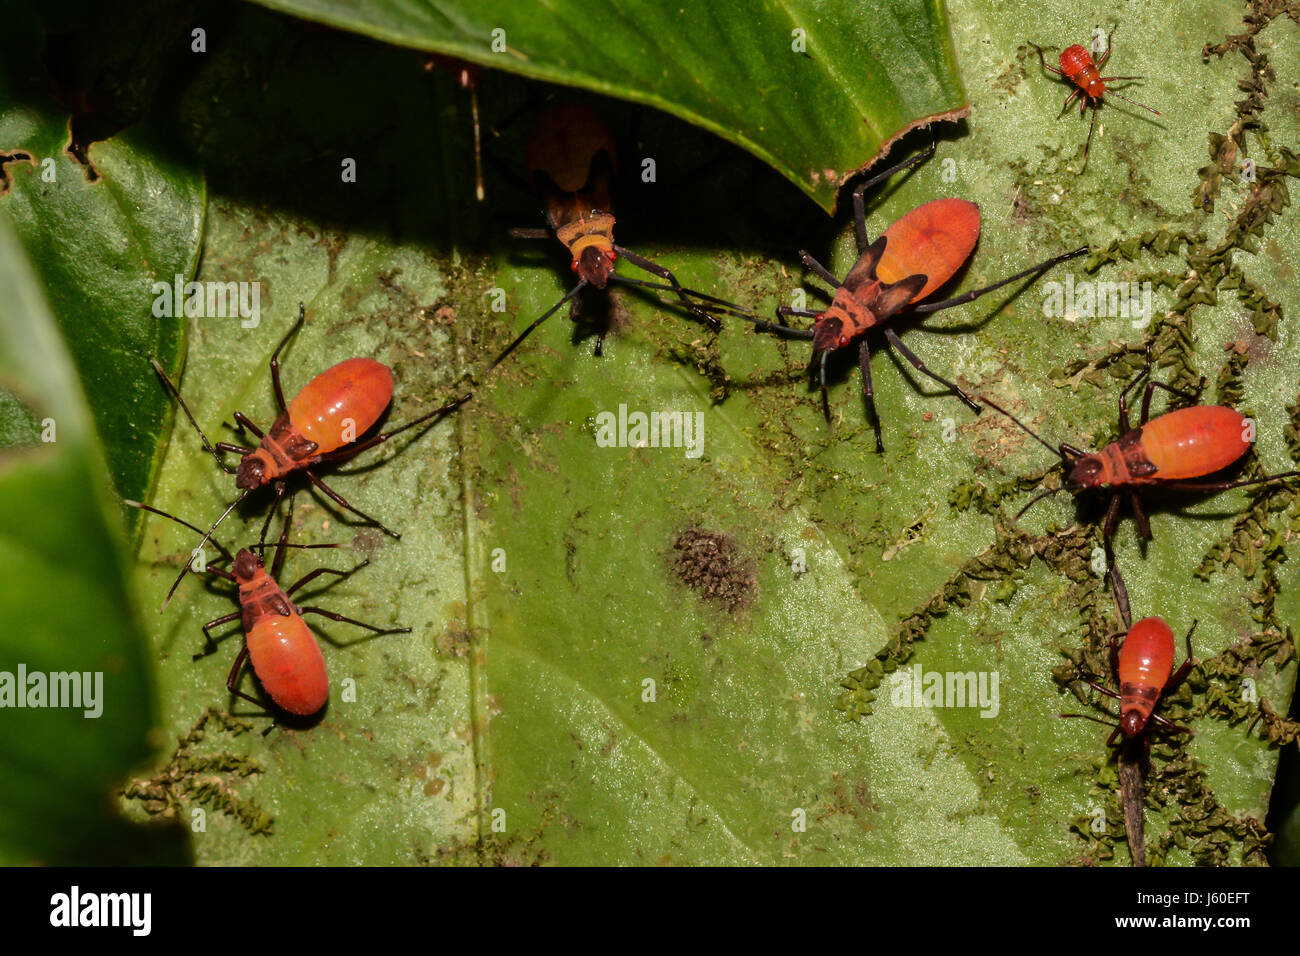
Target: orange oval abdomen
x,y
289,663
1078,65
342,402
563,143
1075,59
1194,442
934,239
1146,660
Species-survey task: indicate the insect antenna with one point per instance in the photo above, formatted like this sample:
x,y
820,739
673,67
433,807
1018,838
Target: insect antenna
x,y
714,306
529,331
263,545
1134,102
180,521
1098,720
206,538
763,325
1033,434
171,387
1037,498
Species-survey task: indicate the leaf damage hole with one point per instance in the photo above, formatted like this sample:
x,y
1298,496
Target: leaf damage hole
x,y
77,151
17,156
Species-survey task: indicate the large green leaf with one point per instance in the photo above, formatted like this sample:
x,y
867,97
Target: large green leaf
x,y
537,567
101,224
816,89
64,600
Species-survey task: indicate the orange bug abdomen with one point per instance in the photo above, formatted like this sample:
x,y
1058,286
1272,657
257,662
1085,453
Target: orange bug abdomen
x,y
1078,65
342,403
1194,442
934,239
563,143
289,663
1145,663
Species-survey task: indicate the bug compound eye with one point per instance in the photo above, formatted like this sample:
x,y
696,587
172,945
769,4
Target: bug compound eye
x,y
573,266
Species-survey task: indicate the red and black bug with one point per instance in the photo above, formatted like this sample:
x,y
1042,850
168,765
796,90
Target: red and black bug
x,y
1143,669
571,161
912,259
1169,451
1077,67
321,425
277,641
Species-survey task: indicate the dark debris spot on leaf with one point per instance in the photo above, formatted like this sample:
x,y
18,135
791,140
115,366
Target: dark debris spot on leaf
x,y
711,565
494,849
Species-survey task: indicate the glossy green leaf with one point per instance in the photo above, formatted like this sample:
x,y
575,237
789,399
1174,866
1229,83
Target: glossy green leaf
x,y
569,692
65,602
101,227
815,89
563,682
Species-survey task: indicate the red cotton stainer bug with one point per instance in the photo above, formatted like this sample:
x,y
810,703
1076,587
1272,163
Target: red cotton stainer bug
x,y
910,260
320,426
1077,67
1143,668
1169,451
277,641
571,161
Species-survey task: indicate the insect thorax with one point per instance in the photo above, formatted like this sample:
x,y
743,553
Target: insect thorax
x,y
287,444
260,599
595,229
